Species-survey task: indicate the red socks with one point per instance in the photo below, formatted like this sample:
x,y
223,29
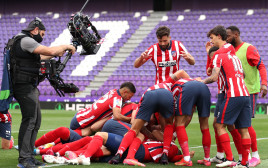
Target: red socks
x,y
183,140
246,150
55,148
225,142
253,138
94,145
237,140
206,141
168,134
76,145
219,147
133,148
126,141
61,132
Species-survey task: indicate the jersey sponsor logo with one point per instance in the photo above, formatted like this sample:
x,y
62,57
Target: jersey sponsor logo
x,y
167,63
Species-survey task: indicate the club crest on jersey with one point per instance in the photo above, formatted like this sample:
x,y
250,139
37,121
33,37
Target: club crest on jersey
x,y
173,53
167,63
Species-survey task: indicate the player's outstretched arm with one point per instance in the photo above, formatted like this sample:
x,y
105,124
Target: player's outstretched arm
x,y
188,57
141,60
213,77
179,74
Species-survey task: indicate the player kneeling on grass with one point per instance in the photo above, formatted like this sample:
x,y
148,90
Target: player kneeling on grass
x,y
5,130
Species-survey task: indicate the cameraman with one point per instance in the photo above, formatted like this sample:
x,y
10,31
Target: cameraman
x,y
26,54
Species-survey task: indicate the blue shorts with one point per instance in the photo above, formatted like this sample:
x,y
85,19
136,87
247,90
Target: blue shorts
x,y
235,110
219,102
253,100
74,136
5,130
116,127
159,100
193,93
74,123
113,143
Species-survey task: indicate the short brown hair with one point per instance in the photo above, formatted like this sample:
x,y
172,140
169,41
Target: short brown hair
x,y
162,31
218,30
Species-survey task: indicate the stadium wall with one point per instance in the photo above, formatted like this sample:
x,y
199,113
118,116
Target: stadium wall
x,y
78,105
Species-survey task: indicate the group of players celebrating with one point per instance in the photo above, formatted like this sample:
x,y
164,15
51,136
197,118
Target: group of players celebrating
x,y
145,132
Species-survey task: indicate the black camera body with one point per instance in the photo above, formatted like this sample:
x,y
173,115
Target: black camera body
x,y
78,27
81,35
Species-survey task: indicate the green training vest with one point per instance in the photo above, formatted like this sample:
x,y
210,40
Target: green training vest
x,y
252,78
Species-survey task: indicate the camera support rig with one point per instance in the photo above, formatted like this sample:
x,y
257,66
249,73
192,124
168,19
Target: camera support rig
x,y
81,35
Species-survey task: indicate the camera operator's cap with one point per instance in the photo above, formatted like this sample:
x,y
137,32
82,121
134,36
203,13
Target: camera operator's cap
x,y
37,22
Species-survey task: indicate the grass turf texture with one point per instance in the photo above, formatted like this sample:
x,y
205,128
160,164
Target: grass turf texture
x,y
52,119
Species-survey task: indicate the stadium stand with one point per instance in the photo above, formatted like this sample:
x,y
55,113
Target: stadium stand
x,y
126,35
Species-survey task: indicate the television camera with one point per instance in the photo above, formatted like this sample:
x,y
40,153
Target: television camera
x,y
78,26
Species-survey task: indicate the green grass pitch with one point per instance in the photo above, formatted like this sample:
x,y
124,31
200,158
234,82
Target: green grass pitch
x,y
52,119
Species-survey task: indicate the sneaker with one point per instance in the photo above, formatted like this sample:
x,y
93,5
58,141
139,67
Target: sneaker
x,y
115,159
164,159
70,155
239,165
204,162
49,158
254,162
37,162
217,160
133,162
225,164
182,162
235,163
60,160
82,160
16,147
85,160
27,163
73,161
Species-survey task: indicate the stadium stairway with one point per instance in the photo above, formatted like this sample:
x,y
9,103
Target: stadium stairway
x,y
146,27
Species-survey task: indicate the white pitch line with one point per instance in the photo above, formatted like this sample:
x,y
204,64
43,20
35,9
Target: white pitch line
x,y
38,131
231,143
54,165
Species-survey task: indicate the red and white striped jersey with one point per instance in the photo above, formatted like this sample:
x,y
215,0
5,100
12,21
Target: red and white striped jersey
x,y
166,62
101,108
231,73
156,149
5,118
127,109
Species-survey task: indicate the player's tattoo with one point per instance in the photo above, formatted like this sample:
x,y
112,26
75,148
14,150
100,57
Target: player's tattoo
x,y
208,80
212,78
